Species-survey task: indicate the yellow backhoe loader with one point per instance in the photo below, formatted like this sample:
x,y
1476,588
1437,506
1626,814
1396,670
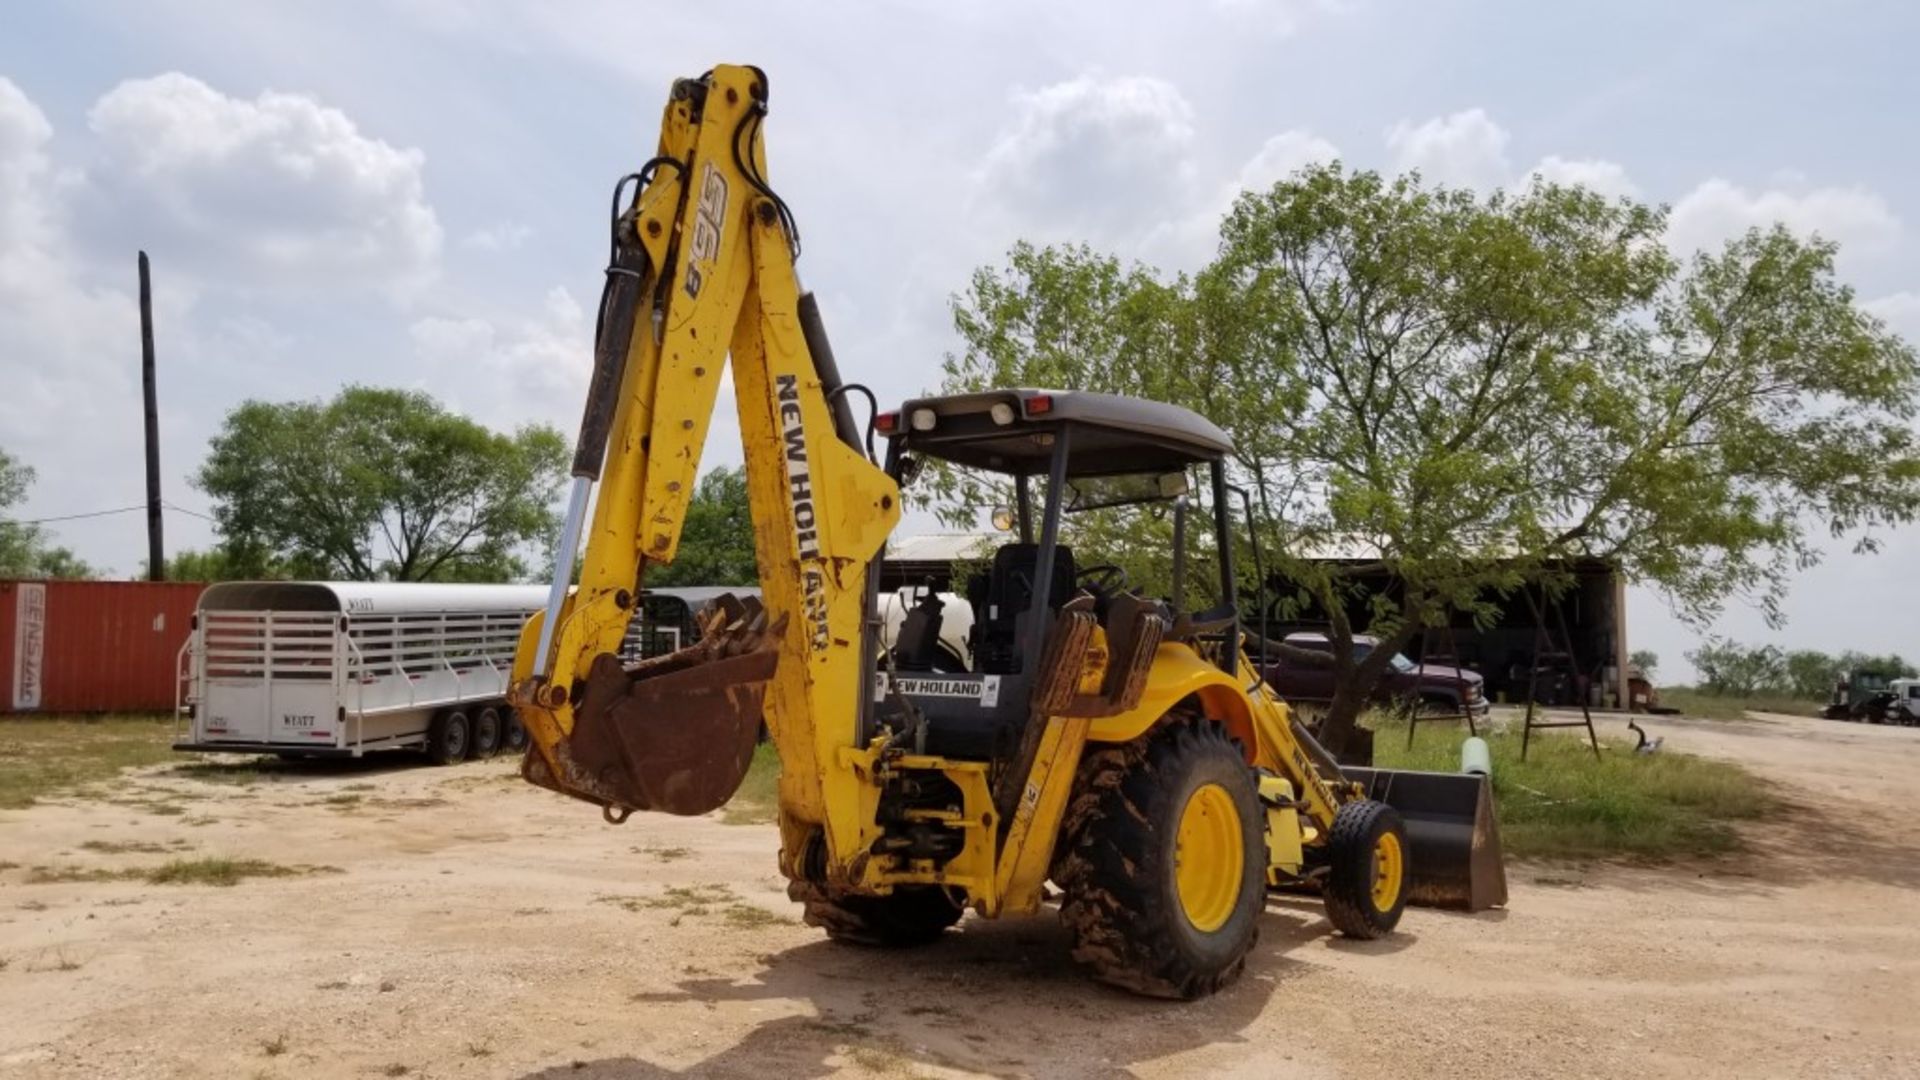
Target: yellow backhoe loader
x,y
1111,743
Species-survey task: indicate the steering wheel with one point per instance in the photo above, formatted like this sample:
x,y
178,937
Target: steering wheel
x,y
1103,580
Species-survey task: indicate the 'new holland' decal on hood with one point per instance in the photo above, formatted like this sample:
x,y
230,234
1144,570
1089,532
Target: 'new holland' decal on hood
x,y
983,689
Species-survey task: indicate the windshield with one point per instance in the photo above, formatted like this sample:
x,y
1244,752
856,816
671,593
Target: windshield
x,y
1093,492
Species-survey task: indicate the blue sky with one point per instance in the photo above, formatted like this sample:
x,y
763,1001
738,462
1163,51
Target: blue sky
x,y
414,192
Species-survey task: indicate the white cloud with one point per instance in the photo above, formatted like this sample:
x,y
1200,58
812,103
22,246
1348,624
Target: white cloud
x,y
1718,210
511,372
1186,242
279,189
1609,178
1901,312
1465,149
502,236
1280,156
1093,158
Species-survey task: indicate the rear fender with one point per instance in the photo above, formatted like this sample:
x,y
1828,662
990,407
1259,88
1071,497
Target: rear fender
x,y
1179,673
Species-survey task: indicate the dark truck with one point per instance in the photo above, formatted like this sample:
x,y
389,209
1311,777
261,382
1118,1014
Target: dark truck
x,y
1434,687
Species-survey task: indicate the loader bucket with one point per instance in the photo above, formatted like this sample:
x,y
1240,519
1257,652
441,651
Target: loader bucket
x,y
1457,861
676,733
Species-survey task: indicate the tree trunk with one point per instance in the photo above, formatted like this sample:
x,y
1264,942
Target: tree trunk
x,y
1354,685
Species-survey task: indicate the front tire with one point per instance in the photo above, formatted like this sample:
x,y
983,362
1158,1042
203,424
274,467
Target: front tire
x,y
910,915
1164,862
448,736
1367,878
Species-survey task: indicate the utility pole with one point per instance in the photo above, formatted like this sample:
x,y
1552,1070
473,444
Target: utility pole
x,y
156,550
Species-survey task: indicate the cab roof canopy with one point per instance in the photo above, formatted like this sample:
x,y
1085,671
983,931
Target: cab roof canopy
x,y
1110,435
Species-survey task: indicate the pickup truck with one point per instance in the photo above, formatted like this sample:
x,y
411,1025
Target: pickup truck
x,y
1435,687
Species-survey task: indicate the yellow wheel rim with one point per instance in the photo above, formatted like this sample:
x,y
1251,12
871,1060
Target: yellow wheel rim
x,y
1389,870
1208,858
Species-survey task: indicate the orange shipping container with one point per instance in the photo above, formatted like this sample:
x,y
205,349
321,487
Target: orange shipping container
x,y
92,646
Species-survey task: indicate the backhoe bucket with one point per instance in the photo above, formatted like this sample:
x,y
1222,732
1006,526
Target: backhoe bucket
x,y
676,733
1457,861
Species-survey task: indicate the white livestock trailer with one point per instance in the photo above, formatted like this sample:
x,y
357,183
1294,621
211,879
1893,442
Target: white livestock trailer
x,y
340,668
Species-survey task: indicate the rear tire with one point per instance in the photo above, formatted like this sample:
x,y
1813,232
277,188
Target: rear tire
x,y
1367,871
513,738
485,741
1164,862
448,736
910,915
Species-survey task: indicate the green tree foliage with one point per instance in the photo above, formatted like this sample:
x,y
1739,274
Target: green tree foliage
x,y
214,564
24,549
1731,669
716,544
378,485
1469,391
1646,660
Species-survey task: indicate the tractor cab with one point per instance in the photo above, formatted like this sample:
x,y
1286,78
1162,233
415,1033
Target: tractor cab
x,y
1046,455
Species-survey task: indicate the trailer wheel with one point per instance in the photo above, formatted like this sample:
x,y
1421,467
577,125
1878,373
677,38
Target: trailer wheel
x,y
1164,861
486,733
513,737
1367,872
448,736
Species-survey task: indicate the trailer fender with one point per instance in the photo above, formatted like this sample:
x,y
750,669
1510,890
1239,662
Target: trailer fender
x,y
1179,673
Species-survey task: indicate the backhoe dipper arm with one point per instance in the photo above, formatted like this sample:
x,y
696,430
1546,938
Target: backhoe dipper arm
x,y
702,266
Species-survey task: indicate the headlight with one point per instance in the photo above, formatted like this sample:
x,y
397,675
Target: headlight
x,y
1002,413
923,419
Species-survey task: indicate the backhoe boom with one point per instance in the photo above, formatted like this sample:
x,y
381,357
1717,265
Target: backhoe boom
x,y
702,267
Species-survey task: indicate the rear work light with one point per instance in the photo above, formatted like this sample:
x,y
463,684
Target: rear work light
x,y
887,423
1039,404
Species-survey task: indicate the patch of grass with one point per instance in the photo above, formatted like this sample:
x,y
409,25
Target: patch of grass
x,y
684,901
419,802
1562,804
363,786
275,1046
4,961
165,809
395,1069
242,772
479,1049
5,865
331,984
33,905
63,962
342,801
750,917
758,800
224,872
124,847
667,854
1692,702
45,756
60,875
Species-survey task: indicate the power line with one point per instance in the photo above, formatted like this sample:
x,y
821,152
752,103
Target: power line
x,y
105,513
191,513
76,517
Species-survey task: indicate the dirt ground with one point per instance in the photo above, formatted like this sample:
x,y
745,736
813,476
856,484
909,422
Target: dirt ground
x,y
479,927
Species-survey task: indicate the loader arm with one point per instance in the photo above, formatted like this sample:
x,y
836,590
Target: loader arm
x,y
702,267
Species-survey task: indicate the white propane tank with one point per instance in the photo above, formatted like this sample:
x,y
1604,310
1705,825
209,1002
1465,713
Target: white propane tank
x,y
1475,758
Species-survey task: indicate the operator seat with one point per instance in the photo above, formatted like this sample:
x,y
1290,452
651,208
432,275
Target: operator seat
x,y
1001,600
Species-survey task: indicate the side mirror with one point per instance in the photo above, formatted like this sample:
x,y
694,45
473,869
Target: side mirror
x,y
1173,484
1003,518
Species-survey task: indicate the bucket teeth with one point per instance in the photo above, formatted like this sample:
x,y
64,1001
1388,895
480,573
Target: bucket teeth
x,y
676,732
